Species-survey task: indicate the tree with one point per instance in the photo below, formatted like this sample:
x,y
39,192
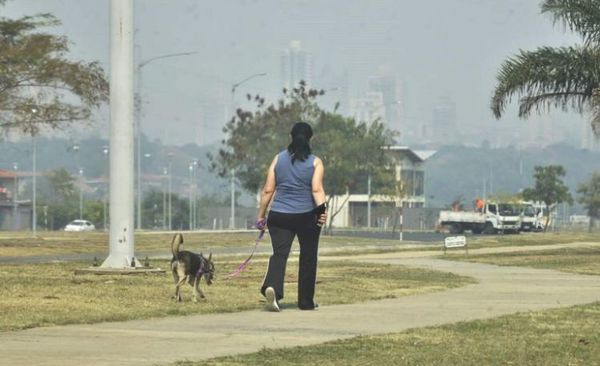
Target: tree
x,y
39,86
58,193
549,188
589,197
253,138
350,150
153,209
559,77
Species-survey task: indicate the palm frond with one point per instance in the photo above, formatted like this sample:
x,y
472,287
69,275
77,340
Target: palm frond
x,y
581,16
548,77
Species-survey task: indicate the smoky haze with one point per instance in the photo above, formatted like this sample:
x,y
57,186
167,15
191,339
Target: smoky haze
x,y
442,55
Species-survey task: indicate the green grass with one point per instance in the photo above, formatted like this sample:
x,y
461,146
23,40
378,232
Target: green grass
x,y
567,336
50,294
582,260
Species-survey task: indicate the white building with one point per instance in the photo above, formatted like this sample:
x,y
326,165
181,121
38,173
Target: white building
x,y
410,171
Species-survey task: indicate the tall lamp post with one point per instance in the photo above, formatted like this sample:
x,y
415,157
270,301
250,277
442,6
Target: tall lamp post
x,y
195,192
164,221
170,156
105,152
139,128
80,193
233,89
15,198
191,197
34,111
121,204
369,201
16,183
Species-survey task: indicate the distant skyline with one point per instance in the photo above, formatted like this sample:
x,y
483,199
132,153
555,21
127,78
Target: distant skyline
x,y
439,50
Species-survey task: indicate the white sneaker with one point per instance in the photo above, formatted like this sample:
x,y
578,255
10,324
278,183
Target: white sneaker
x,y
271,300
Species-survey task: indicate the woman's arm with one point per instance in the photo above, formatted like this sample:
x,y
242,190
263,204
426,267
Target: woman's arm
x,y
318,192
267,191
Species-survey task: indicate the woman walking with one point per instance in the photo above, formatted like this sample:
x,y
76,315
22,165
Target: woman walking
x,y
295,185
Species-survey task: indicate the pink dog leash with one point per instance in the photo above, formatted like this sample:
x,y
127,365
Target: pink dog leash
x,y
245,263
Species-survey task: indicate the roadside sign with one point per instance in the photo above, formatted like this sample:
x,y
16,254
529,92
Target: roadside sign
x,y
455,242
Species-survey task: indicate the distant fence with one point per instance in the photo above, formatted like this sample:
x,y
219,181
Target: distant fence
x,y
383,217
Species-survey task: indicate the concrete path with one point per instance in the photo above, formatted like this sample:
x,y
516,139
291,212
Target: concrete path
x,y
501,290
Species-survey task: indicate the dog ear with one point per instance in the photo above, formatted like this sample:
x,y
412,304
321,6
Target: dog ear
x,y
210,257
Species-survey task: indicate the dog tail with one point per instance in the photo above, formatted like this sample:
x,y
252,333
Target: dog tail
x,y
176,243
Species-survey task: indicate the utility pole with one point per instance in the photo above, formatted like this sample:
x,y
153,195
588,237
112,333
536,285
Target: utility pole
x,y
121,238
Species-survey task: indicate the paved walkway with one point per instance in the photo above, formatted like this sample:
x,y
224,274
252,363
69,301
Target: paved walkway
x,y
501,290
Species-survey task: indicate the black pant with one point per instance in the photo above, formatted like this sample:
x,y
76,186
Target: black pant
x,y
282,229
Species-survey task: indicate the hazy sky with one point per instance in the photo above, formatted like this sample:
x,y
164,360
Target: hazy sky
x,y
439,48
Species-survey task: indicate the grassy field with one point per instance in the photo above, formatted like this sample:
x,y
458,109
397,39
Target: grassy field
x,y
575,260
50,294
21,244
567,336
525,239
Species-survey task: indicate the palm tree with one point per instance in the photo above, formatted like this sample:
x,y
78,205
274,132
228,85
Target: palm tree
x,y
557,77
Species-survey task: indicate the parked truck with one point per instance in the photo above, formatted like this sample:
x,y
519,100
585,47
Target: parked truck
x,y
532,216
490,218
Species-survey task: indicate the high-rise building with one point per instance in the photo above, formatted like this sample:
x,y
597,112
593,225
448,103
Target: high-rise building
x,y
296,65
335,84
393,98
444,125
368,108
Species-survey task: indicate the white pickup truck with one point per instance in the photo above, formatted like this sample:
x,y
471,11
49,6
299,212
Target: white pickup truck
x,y
493,218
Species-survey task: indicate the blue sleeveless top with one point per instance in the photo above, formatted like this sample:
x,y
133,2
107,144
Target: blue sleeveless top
x,y
293,184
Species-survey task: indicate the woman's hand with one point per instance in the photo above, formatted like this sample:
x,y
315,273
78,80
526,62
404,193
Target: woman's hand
x,y
322,219
261,223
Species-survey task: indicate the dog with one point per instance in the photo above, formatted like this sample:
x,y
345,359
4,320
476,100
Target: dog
x,y
190,267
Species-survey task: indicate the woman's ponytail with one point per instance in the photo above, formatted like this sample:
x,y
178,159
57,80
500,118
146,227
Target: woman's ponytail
x,y
299,148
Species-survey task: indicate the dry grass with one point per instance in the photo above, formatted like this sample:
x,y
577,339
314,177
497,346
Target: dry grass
x,y
50,294
575,260
57,243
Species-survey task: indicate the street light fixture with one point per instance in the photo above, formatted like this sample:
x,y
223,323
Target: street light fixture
x,y
138,112
233,89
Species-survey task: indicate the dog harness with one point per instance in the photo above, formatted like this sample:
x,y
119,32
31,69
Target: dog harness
x,y
200,270
245,263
